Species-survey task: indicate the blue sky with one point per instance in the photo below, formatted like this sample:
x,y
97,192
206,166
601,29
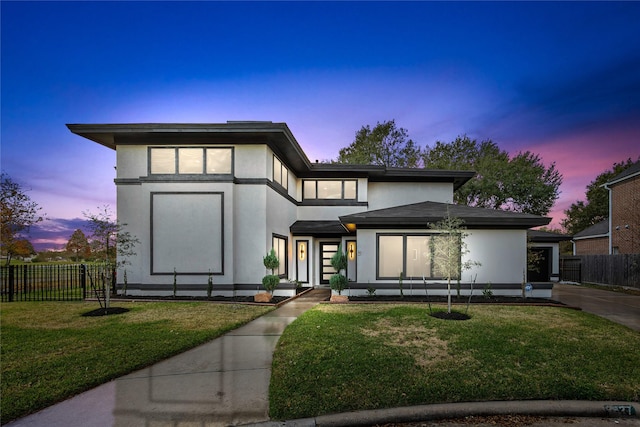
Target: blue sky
x,y
559,79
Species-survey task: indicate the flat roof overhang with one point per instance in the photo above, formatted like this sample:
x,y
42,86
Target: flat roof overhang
x,y
277,136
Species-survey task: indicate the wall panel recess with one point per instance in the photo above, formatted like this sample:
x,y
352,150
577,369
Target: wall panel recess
x,y
187,233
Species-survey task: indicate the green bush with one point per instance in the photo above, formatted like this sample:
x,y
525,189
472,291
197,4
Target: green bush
x,y
339,260
338,283
270,282
271,261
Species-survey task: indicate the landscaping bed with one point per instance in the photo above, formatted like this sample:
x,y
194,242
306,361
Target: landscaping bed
x,y
440,299
216,298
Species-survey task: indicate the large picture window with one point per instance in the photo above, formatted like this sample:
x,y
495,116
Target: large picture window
x,y
415,256
190,161
280,247
329,189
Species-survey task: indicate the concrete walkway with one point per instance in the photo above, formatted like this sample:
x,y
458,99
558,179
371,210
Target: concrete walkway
x,y
222,382
615,306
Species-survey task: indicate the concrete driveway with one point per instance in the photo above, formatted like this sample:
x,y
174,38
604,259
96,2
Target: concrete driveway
x,y
615,306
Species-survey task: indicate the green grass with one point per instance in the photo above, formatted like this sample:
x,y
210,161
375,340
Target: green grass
x,y
50,351
337,358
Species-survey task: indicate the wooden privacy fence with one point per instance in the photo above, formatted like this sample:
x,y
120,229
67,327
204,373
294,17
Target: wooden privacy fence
x,y
613,270
47,282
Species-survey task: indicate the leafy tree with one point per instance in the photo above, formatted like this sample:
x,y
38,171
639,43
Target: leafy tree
x,y
114,244
24,248
385,145
78,245
19,213
521,183
448,249
583,214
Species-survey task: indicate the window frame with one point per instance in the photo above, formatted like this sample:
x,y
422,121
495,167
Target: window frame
x,y
276,238
342,189
432,268
283,173
176,158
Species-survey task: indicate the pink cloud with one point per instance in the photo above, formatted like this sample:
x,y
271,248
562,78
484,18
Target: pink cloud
x,y
581,157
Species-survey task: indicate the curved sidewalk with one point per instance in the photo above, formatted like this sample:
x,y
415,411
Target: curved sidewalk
x,y
223,382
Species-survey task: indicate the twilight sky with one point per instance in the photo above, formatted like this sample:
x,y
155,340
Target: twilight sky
x,y
558,79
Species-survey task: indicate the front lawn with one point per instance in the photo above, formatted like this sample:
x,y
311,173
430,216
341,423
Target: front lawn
x,y
51,352
337,358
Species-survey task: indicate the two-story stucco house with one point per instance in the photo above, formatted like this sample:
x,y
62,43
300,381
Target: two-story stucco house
x,y
215,198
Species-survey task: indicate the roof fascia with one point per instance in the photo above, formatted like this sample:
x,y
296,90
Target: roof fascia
x,y
277,136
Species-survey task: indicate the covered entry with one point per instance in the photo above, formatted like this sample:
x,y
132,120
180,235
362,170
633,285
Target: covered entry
x,y
321,240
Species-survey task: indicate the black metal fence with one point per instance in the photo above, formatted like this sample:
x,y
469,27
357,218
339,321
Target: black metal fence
x,y
47,282
613,270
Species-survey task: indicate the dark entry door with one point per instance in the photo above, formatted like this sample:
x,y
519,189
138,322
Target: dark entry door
x,y
544,266
327,250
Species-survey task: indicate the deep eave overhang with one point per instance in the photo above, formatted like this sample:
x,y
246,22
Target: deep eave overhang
x,y
539,236
420,215
277,136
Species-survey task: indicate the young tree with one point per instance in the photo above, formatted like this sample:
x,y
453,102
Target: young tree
x,y
18,213
583,214
521,183
448,249
385,145
112,241
78,245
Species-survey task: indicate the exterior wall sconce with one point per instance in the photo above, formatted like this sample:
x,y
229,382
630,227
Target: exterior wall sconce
x,y
302,251
352,251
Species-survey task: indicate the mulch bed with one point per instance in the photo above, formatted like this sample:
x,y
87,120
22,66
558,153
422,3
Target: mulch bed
x,y
185,298
105,311
476,299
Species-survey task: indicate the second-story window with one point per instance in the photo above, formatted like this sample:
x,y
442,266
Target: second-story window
x,y
280,173
190,161
330,189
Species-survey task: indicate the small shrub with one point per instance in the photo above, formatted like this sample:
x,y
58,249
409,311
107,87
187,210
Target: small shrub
x,y
270,282
487,292
338,283
209,285
371,291
339,260
271,261
175,282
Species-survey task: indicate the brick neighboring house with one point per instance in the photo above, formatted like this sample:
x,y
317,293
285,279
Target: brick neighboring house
x,y
624,211
592,240
620,233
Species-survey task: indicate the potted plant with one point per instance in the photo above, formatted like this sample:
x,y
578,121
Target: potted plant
x,y
270,281
338,281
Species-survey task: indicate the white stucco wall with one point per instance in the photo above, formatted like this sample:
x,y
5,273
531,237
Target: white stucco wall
x,y
131,161
251,161
388,194
502,254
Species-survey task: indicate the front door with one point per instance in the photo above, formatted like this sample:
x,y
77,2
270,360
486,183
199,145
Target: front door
x,y
327,250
